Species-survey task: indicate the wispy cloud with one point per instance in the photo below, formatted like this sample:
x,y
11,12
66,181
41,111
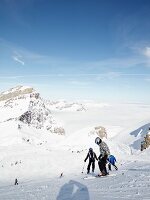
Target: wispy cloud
x,y
146,52
74,81
78,67
109,75
18,60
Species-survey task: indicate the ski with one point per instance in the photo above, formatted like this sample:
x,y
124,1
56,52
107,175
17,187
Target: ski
x,y
98,176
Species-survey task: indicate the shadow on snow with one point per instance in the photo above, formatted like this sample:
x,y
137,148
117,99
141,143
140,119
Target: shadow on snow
x,y
73,190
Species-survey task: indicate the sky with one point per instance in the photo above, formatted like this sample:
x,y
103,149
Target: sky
x,y
77,49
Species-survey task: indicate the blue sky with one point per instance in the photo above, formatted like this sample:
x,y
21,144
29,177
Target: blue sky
x,y
77,49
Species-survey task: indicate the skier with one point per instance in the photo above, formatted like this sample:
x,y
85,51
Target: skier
x,y
16,181
19,126
111,159
104,153
92,156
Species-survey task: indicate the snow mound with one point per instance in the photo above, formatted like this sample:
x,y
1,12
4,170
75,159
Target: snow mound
x,y
133,138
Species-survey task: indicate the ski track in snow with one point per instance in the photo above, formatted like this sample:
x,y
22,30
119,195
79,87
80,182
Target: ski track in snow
x,y
131,182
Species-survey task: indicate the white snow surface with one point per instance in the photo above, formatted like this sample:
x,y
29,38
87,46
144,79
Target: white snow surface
x,y
37,158
65,105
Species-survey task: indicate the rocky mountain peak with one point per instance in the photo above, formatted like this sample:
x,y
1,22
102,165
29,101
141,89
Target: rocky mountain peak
x,y
16,92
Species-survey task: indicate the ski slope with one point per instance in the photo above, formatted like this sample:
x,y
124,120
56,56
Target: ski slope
x,y
37,157
131,182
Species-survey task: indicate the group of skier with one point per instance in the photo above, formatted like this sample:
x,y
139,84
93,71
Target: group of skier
x,y
103,158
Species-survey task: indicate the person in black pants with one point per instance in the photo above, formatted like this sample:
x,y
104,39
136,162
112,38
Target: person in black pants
x,y
92,156
104,153
102,161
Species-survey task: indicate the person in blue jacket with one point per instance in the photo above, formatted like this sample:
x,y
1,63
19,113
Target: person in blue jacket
x,y
112,160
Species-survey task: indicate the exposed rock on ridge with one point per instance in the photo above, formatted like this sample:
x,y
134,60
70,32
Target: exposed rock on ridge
x,y
14,92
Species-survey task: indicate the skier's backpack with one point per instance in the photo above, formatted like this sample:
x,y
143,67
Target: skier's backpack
x,y
91,156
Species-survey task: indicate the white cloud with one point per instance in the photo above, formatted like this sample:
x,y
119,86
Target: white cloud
x,y
146,52
98,76
18,60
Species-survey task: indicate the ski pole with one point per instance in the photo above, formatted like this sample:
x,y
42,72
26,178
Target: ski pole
x,y
83,168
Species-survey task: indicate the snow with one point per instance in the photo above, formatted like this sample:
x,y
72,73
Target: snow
x,y
64,105
37,157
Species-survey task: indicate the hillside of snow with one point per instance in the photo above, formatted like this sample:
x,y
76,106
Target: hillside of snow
x,y
54,138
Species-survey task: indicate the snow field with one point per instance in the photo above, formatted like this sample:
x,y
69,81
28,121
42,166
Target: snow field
x,y
37,157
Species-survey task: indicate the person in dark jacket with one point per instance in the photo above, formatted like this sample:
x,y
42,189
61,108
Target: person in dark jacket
x,y
16,181
92,156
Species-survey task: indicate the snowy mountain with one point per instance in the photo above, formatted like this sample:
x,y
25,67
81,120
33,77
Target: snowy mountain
x,y
15,101
24,105
44,144
16,92
65,106
39,116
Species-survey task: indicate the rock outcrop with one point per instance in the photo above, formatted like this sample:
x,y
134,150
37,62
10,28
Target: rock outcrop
x,y
100,131
39,116
146,142
15,92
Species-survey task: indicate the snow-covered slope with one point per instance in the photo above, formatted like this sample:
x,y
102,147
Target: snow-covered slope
x,y
37,157
135,137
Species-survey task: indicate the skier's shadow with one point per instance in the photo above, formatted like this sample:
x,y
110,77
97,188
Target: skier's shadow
x,y
73,190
